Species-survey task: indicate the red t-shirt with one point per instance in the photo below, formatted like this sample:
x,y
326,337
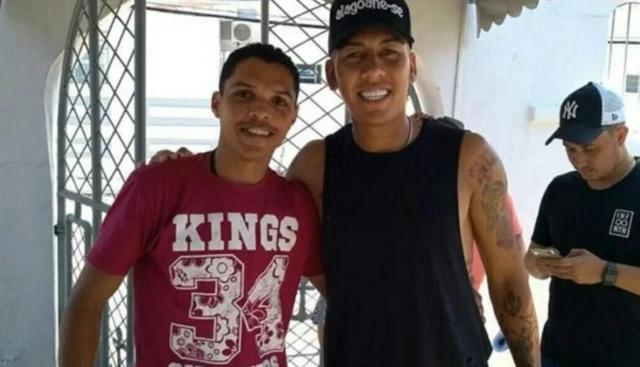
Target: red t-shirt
x,y
216,266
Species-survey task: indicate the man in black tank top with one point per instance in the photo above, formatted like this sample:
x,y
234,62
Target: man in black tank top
x,y
401,201
590,217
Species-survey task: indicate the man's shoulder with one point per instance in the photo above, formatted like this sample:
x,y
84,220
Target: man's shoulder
x,y
300,195
309,159
167,172
567,180
442,121
449,122
570,176
313,148
293,197
475,147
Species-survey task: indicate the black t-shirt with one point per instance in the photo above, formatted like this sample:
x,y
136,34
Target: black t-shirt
x,y
592,325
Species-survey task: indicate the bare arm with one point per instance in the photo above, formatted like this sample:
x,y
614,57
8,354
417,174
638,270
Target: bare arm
x,y
503,259
308,167
583,267
80,330
320,285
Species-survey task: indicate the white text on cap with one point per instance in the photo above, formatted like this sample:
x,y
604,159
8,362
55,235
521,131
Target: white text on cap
x,y
356,6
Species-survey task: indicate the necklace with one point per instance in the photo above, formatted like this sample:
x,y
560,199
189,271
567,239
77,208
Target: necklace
x,y
409,136
406,144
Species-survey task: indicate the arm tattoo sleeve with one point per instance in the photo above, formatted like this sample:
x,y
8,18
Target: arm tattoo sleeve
x,y
494,199
511,295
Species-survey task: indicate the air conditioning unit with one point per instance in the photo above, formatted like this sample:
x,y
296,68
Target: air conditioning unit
x,y
235,34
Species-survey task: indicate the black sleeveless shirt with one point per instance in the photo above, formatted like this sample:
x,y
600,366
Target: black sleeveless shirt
x,y
398,288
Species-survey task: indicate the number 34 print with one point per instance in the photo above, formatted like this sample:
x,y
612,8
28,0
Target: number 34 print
x,y
261,309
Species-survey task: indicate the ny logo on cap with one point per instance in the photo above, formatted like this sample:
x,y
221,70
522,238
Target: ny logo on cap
x,y
570,110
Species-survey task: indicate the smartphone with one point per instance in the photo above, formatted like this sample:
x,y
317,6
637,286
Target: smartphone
x,y
546,252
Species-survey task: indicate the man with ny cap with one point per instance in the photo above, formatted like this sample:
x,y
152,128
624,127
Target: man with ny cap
x,y
589,217
401,201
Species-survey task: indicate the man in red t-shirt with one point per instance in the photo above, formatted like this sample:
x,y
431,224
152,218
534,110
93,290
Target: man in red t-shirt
x,y
217,242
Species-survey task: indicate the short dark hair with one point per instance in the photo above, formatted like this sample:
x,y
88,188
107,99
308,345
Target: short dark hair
x,y
264,52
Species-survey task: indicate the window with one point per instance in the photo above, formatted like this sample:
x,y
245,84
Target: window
x,y
623,66
81,69
310,74
633,83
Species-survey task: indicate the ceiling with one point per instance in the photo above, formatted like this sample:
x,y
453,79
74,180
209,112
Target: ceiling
x,y
492,12
489,12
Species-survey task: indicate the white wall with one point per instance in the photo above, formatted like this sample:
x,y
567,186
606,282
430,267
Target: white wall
x,y
32,33
436,30
534,60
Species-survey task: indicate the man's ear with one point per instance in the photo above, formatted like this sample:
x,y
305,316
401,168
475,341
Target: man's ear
x,y
330,71
413,68
215,103
295,114
621,134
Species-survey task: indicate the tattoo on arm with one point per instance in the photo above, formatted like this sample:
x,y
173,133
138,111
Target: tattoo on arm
x,y
509,291
519,325
481,168
512,304
493,199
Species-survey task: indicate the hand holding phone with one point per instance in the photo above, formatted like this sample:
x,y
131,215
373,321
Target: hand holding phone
x,y
546,252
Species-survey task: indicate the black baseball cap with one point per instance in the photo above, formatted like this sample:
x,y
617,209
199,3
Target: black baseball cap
x,y
586,112
350,16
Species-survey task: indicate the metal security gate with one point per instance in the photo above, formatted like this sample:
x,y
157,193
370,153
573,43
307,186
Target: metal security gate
x,y
300,28
100,137
102,132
